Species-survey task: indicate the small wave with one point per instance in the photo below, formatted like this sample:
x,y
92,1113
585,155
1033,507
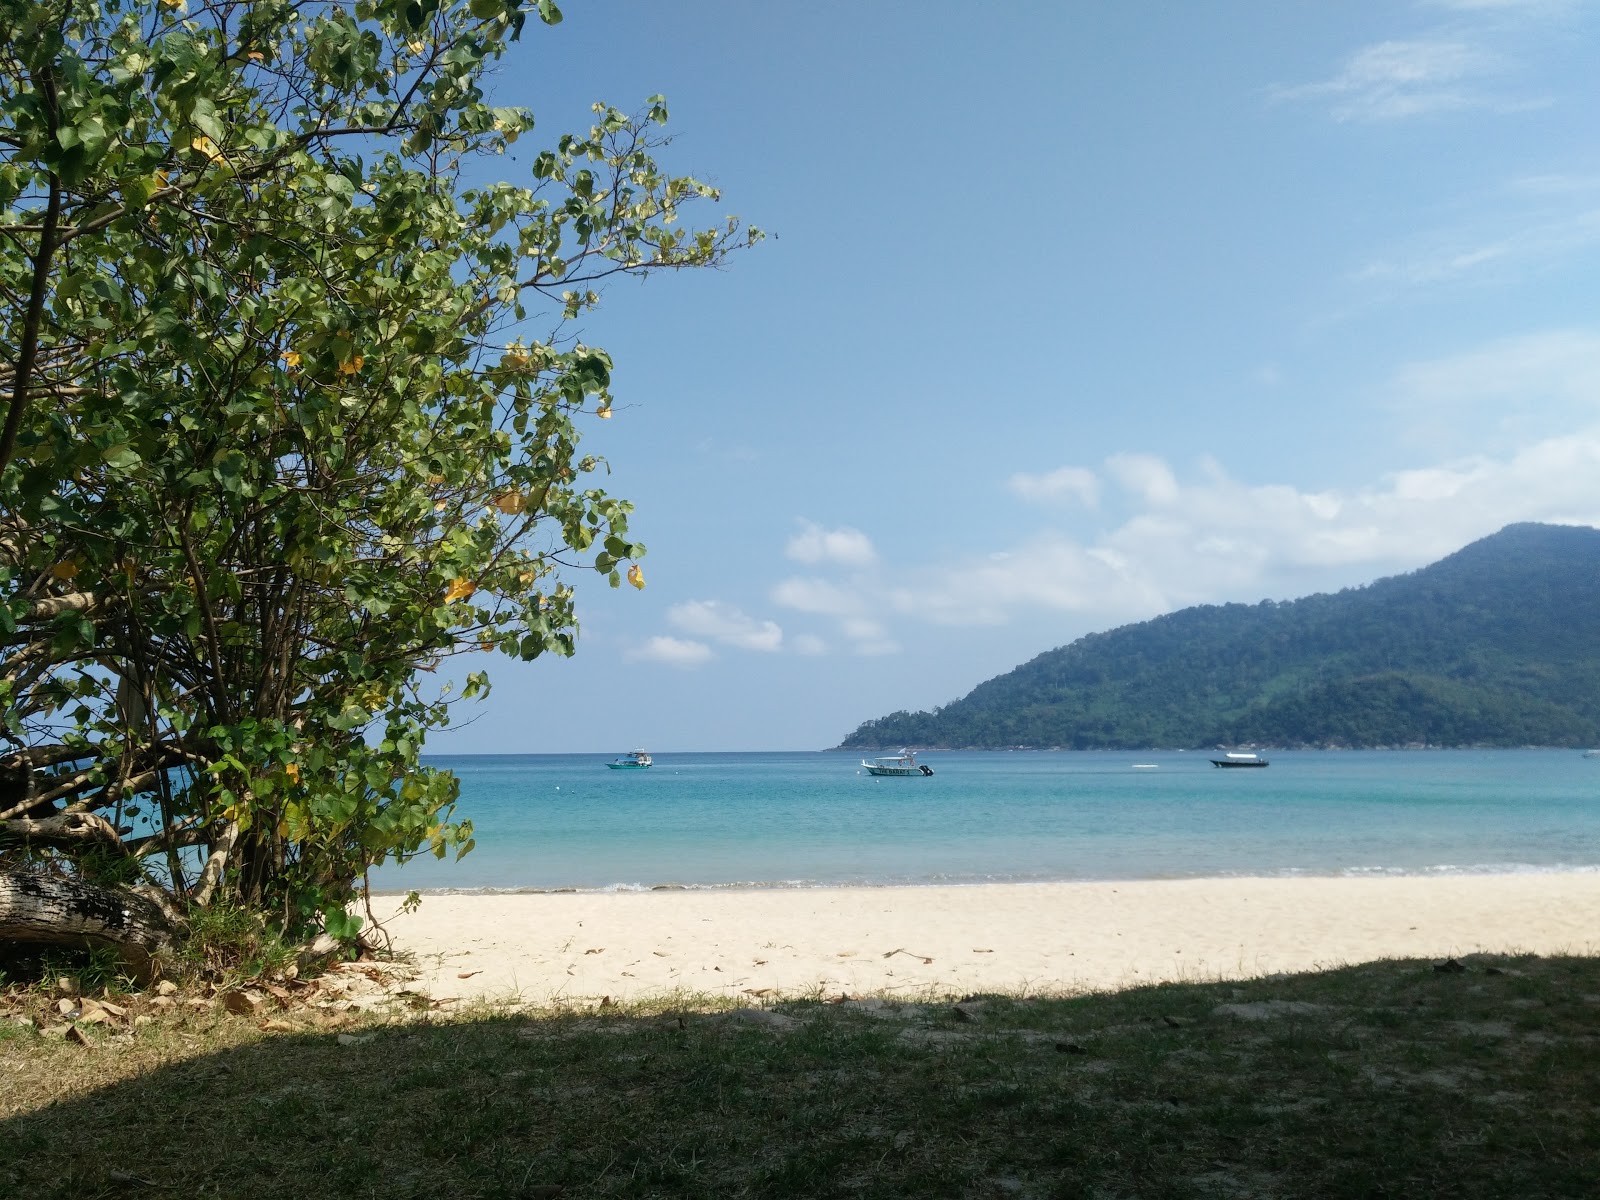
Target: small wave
x,y
1436,870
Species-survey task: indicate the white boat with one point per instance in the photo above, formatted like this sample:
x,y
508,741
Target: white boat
x,y
634,761
904,763
1591,753
1240,759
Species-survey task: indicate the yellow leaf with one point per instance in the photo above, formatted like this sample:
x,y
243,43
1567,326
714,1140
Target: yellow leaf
x,y
636,576
603,412
291,358
207,147
511,502
64,570
293,772
257,56
416,47
459,589
435,480
514,359
440,505
352,366
176,5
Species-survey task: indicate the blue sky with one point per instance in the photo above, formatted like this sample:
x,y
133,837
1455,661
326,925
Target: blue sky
x,y
1073,314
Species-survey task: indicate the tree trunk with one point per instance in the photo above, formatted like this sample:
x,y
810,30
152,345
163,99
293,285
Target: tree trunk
x,y
48,910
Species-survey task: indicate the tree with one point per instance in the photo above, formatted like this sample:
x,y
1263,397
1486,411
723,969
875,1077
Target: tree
x,y
279,438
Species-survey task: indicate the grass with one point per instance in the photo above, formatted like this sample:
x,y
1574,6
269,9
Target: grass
x,y
1388,1079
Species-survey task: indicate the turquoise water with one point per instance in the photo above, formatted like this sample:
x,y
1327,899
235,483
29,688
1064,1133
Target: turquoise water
x,y
815,819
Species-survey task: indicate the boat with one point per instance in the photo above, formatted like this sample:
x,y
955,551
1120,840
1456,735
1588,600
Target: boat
x,y
904,763
1242,759
637,760
1591,753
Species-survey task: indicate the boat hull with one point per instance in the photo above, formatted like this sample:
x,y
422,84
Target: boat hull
x,y
899,770
629,766
1222,762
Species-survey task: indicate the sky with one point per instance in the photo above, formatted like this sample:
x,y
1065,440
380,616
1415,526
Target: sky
x,y
1071,314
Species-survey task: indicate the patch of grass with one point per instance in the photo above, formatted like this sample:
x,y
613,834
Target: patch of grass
x,y
1389,1079
230,946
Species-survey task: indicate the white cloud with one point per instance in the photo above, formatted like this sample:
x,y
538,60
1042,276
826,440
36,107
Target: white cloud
x,y
846,546
1216,538
1538,238
1393,80
1064,483
674,652
725,623
816,596
1196,534
1518,389
1145,476
853,608
810,645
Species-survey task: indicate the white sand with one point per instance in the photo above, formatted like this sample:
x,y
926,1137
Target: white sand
x,y
1035,938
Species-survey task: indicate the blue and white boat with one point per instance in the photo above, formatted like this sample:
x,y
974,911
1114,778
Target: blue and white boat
x,y
636,760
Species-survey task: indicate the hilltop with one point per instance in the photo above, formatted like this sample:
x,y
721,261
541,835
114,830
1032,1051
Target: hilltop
x,y
1495,645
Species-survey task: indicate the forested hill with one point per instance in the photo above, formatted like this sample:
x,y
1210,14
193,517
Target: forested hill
x,y
1496,645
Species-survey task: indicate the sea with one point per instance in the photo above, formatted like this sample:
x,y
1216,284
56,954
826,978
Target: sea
x,y
816,819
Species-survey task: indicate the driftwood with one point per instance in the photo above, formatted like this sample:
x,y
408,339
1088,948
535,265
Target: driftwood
x,y
47,910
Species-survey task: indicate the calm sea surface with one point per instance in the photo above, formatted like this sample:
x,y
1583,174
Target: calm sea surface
x,y
816,819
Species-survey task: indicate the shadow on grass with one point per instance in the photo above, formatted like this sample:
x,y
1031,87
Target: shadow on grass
x,y
1388,1079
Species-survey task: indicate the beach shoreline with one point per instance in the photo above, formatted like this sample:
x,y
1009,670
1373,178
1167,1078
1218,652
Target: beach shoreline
x,y
935,940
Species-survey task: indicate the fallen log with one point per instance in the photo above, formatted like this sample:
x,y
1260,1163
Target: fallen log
x,y
49,910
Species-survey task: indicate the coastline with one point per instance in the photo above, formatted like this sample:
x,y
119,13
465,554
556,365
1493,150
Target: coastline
x,y
1021,938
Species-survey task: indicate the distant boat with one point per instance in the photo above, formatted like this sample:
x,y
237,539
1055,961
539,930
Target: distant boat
x,y
1232,759
1146,766
638,760
1591,753
904,763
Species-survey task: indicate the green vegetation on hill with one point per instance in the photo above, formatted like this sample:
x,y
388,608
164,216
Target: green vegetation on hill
x,y
1496,645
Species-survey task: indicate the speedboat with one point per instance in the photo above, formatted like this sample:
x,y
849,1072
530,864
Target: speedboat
x,y
1241,759
904,763
637,760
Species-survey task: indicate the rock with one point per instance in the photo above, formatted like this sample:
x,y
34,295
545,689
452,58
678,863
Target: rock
x,y
245,1004
968,1010
166,988
1268,1010
1449,967
1070,1048
1178,1022
762,1017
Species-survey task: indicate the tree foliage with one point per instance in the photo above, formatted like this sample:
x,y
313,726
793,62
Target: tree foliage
x,y
1494,645
291,418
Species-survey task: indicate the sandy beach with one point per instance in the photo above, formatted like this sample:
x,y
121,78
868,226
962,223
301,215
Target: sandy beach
x,y
1020,938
